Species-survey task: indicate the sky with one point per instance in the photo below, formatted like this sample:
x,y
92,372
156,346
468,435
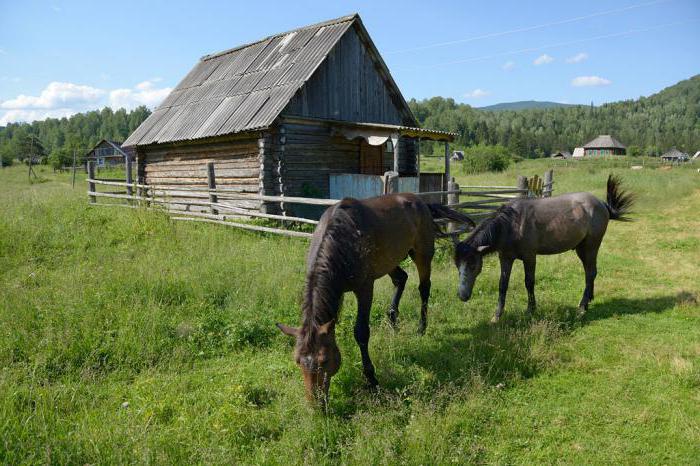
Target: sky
x,y
60,57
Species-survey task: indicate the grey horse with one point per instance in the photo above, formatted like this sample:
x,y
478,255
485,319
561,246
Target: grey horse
x,y
524,228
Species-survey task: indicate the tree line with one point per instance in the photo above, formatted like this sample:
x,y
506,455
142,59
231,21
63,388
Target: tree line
x,y
54,140
648,125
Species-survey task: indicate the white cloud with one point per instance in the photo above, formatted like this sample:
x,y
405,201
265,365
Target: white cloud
x,y
509,65
60,99
543,59
56,95
586,81
145,93
477,94
578,58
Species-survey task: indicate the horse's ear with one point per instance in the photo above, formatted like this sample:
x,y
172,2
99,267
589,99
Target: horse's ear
x,y
287,330
326,328
482,248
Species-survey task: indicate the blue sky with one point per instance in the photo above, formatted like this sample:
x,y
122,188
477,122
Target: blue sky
x,y
60,57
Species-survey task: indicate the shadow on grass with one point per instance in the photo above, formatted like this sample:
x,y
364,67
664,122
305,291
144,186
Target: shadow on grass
x,y
517,348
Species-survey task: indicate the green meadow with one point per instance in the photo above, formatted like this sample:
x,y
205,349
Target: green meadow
x,y
126,337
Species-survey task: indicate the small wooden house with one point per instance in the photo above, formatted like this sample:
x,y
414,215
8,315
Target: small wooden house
x,y
561,154
313,112
108,154
675,156
604,145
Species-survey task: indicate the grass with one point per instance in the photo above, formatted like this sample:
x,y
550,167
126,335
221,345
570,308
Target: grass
x,y
128,338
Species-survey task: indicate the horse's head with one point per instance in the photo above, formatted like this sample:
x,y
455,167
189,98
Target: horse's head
x,y
469,261
318,357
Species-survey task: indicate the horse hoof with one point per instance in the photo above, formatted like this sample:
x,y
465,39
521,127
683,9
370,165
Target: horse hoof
x,y
393,318
421,329
581,312
495,319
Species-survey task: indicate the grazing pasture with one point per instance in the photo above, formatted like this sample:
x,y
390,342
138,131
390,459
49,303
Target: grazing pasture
x,y
127,337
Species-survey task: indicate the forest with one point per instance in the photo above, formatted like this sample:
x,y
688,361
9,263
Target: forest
x,y
648,126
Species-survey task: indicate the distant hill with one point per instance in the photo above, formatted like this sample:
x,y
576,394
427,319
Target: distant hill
x,y
523,105
649,125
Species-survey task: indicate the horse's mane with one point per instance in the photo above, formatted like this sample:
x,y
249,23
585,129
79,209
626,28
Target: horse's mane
x,y
331,262
488,232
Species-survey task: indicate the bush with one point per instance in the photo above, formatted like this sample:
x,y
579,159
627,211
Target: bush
x,y
483,158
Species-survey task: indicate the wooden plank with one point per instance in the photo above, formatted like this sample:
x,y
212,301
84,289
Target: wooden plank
x,y
244,226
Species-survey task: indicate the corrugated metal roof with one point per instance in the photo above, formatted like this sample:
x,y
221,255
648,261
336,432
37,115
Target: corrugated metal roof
x,y
604,141
243,88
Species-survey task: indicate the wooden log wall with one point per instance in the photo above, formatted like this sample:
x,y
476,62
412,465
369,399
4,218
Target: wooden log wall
x,y
236,164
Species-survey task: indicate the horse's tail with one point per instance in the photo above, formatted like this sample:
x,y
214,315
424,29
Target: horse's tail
x,y
439,211
619,201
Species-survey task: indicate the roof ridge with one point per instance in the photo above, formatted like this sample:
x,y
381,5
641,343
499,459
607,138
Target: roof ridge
x,y
329,22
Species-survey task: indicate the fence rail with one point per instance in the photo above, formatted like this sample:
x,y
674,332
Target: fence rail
x,y
182,202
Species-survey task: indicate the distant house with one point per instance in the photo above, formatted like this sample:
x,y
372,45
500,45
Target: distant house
x,y
458,155
108,154
604,145
675,156
578,153
697,155
561,154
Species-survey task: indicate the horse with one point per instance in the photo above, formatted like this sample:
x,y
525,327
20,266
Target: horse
x,y
355,243
525,228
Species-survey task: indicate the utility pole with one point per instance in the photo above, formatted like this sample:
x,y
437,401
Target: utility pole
x,y
74,150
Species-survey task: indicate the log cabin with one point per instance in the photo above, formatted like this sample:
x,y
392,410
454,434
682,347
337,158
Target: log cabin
x,y
312,112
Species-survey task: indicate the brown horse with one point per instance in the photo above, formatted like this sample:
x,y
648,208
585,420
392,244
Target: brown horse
x,y
525,228
355,243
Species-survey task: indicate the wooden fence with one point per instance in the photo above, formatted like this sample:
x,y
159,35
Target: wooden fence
x,y
209,204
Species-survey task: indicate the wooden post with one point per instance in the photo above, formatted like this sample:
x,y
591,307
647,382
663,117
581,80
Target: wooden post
x,y
91,176
391,182
447,170
522,184
211,182
452,198
548,180
396,141
74,168
129,180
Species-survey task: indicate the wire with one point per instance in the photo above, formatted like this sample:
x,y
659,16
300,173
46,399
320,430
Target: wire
x,y
549,46
529,28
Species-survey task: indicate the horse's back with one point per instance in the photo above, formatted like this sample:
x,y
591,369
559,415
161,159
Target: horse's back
x,y
556,224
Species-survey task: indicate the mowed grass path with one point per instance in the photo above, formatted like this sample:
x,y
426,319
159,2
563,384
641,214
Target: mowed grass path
x,y
126,337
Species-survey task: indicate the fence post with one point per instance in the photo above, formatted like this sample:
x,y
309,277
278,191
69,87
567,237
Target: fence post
x,y
548,183
91,176
452,198
523,186
391,182
129,181
211,182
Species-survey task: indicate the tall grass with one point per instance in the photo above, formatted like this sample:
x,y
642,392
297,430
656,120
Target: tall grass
x,y
126,337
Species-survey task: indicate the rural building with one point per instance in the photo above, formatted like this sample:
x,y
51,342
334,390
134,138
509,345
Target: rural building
x,y
108,154
697,155
675,156
457,155
312,112
561,154
578,153
604,145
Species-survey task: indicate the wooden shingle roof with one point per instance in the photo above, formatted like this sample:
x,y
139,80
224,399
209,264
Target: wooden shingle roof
x,y
245,88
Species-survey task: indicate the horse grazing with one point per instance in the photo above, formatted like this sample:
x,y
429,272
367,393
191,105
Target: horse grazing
x,y
524,228
355,243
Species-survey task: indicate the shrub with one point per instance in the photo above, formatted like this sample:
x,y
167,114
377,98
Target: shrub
x,y
483,158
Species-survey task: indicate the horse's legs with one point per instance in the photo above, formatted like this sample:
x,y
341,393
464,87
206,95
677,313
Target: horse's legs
x,y
423,264
588,253
506,266
529,266
398,278
364,304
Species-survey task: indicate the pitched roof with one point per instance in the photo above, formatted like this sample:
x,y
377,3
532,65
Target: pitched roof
x,y
115,144
604,141
674,153
564,153
247,87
